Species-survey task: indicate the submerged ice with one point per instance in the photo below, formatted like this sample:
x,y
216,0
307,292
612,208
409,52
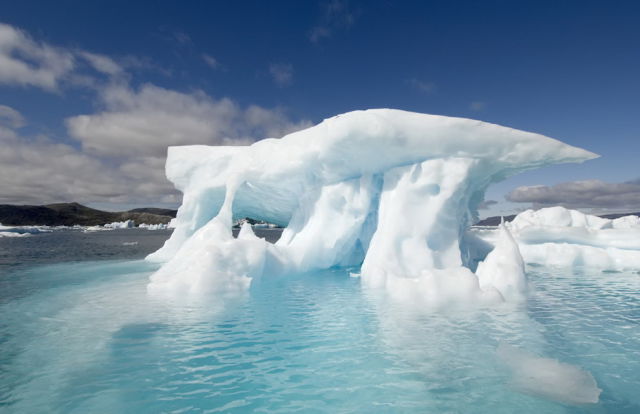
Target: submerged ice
x,y
387,190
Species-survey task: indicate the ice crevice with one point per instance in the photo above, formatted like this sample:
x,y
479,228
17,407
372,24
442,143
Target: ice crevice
x,y
390,191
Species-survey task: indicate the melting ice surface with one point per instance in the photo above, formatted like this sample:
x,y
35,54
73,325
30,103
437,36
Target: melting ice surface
x,y
389,190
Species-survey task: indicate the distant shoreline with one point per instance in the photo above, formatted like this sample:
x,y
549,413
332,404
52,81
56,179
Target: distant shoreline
x,y
70,214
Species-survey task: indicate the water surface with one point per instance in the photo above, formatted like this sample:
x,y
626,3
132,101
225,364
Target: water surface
x,y
84,336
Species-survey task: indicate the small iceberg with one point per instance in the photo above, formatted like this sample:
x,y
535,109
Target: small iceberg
x,y
128,224
557,236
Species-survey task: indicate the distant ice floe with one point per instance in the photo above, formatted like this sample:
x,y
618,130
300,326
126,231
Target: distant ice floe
x,y
390,191
159,226
557,236
13,234
128,224
91,229
22,231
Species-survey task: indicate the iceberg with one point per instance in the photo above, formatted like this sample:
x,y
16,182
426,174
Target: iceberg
x,y
127,224
390,191
159,226
557,236
22,231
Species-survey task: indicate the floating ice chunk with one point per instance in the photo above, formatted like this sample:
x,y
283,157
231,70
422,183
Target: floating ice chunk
x,y
92,229
391,190
128,224
21,231
626,222
213,261
549,378
503,268
159,226
558,217
561,237
13,234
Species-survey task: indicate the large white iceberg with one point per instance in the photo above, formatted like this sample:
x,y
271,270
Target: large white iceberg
x,y
558,236
389,190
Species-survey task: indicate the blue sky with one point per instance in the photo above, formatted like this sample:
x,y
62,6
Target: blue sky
x,y
109,73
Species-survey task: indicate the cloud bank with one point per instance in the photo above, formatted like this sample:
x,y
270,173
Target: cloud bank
x,y
117,152
594,194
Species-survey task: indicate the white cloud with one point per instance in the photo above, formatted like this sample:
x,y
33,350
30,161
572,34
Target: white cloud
x,y
26,62
38,170
102,63
210,61
336,14
150,119
123,143
282,73
11,118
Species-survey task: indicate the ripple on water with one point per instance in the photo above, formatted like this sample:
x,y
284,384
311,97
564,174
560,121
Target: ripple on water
x,y
87,338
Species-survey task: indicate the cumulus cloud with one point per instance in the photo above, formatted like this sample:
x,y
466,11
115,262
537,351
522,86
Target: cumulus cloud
x,y
122,144
336,15
148,120
137,125
10,118
39,170
122,155
282,73
26,62
581,194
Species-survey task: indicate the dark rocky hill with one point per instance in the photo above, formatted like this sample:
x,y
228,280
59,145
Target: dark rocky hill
x,y
156,211
68,214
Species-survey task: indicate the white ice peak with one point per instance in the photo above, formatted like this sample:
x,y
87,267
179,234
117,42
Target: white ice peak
x,y
388,189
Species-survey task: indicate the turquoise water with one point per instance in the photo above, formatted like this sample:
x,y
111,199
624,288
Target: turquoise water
x,y
85,337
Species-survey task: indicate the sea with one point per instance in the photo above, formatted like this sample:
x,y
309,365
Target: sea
x,y
80,334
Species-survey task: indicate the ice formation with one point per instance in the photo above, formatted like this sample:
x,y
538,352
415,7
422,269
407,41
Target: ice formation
x,y
558,236
22,231
159,226
128,224
390,190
